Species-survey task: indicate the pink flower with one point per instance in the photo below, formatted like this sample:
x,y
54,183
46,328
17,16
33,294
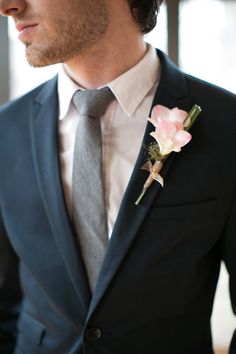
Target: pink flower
x,y
169,134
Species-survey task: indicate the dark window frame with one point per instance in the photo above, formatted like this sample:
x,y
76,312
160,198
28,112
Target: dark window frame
x,y
4,61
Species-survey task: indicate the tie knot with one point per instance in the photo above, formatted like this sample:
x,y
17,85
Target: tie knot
x,y
93,103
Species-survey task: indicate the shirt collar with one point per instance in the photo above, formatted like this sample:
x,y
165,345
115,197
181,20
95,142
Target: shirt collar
x,y
130,88
66,88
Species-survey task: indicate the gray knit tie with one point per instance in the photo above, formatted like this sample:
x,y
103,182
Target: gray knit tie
x,y
88,201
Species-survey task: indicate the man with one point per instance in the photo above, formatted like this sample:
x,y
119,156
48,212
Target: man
x,y
154,287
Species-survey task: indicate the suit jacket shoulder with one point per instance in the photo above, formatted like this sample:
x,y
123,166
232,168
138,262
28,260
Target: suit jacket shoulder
x,y
19,107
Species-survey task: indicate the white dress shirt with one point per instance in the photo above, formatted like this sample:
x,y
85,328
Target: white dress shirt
x,y
123,126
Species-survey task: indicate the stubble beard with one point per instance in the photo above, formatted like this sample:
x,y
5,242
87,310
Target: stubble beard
x,y
67,40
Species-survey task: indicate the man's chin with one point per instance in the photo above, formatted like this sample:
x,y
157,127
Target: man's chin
x,y
39,59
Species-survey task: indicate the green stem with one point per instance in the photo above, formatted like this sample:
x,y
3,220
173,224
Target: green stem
x,y
140,197
192,115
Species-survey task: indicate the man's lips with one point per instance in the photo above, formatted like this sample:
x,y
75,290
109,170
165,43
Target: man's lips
x,y
25,28
21,26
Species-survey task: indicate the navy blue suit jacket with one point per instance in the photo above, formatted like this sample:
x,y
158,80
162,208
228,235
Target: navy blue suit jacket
x,y
157,283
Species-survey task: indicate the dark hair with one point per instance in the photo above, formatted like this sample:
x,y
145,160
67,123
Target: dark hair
x,y
145,13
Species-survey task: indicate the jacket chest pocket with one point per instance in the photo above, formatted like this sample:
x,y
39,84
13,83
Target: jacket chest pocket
x,y
183,233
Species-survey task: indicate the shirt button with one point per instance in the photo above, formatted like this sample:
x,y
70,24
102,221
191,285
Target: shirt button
x,y
93,334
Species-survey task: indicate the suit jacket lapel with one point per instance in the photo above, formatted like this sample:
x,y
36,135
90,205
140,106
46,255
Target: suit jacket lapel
x,y
172,92
45,152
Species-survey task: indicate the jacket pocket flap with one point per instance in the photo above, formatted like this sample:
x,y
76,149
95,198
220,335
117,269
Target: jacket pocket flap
x,y
184,211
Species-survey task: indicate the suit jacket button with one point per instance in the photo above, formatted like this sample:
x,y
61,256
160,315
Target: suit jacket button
x,y
92,334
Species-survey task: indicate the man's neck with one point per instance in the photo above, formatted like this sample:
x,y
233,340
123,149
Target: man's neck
x,y
102,64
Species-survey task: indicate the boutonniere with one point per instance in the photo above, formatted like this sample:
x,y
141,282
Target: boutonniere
x,y
171,134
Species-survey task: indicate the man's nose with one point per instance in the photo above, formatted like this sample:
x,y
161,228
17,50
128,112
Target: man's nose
x,y
11,7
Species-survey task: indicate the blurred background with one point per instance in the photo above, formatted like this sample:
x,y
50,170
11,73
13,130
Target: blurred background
x,y
199,36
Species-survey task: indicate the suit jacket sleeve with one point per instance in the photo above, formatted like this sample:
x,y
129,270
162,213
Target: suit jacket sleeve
x,y
229,257
10,293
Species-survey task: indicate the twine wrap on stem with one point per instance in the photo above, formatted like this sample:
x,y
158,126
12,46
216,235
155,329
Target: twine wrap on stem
x,y
154,170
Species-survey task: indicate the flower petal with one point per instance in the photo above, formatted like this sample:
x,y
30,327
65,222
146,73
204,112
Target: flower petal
x,y
165,144
178,115
181,138
160,111
169,132
165,128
